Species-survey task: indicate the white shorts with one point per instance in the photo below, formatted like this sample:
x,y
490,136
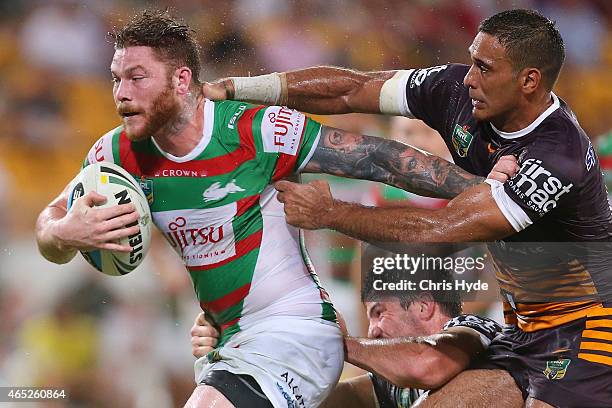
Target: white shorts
x,y
295,361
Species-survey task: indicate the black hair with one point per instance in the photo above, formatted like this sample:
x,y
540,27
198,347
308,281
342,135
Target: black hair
x,y
448,298
530,40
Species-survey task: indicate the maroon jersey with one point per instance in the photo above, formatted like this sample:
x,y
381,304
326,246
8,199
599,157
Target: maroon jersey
x,y
558,195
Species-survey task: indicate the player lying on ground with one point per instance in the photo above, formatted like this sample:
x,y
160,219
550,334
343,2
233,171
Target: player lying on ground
x,y
416,341
500,104
207,168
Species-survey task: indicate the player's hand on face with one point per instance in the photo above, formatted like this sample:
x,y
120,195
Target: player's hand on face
x,y
217,91
306,205
86,227
204,336
505,168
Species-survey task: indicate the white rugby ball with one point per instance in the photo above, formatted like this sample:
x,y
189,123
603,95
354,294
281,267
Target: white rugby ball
x,y
119,187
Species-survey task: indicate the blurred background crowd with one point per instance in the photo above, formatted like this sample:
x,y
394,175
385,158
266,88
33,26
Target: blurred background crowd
x,y
124,342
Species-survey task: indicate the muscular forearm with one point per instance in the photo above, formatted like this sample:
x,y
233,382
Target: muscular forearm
x,y
49,245
405,362
331,90
403,224
472,216
321,90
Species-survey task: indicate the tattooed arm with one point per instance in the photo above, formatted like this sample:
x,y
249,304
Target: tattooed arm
x,y
352,155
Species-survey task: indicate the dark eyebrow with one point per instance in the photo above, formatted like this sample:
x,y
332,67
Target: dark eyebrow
x,y
480,62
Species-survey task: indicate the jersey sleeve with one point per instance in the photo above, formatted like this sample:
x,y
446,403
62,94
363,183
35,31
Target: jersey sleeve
x,y
290,136
105,149
431,94
486,329
547,179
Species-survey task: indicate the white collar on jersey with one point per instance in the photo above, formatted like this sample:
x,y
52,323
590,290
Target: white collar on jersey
x,y
209,119
519,133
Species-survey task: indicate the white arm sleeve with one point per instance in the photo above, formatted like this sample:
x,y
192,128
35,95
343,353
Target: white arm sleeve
x,y
393,95
515,215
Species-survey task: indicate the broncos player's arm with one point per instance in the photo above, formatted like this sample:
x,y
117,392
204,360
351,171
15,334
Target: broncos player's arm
x,y
320,90
353,155
472,216
355,392
426,362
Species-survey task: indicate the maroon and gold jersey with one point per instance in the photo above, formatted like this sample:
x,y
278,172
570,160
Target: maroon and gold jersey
x,y
557,202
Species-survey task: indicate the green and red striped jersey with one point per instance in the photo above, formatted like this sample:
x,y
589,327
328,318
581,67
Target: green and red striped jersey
x,y
218,210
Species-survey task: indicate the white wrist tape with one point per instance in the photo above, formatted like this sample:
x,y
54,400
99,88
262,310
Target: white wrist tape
x,y
392,99
262,88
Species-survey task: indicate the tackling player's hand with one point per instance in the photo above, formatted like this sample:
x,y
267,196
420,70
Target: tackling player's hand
x,y
219,90
306,205
86,227
505,168
204,336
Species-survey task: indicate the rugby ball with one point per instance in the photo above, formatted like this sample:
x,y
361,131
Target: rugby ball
x,y
119,187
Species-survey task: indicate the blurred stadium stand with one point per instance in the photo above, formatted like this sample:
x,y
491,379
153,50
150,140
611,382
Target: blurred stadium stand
x,y
128,337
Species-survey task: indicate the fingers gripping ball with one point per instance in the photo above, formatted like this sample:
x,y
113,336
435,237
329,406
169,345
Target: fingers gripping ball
x,y
119,187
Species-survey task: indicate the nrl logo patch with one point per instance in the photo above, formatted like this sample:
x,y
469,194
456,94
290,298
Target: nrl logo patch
x,y
462,139
147,187
556,369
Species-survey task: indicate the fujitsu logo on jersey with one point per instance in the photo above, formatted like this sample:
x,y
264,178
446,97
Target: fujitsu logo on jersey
x,y
200,236
539,189
102,150
98,153
181,237
282,124
282,130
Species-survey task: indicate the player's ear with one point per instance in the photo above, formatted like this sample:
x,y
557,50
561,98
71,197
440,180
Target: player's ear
x,y
530,79
182,80
425,306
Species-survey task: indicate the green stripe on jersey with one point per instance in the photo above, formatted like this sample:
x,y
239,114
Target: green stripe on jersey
x,y
310,138
327,309
227,334
206,192
116,155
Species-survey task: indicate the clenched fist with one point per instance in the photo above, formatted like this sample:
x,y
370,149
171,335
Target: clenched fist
x,y
307,206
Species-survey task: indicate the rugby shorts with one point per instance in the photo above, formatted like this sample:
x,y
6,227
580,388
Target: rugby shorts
x,y
295,361
566,366
239,389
